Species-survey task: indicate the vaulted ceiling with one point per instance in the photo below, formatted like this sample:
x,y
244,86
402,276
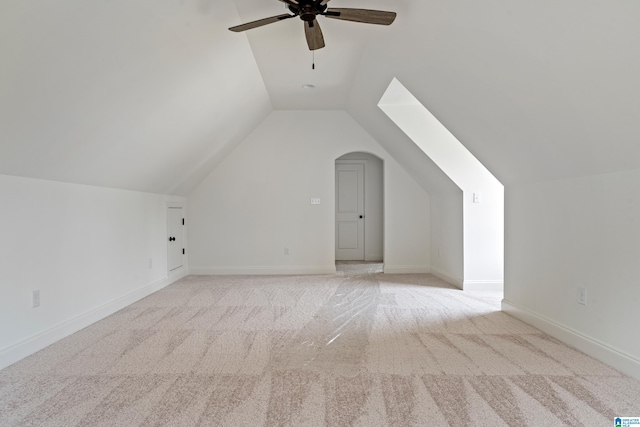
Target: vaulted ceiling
x,y
150,95
145,95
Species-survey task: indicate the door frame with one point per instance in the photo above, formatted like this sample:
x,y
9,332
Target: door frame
x,y
364,164
367,255
180,270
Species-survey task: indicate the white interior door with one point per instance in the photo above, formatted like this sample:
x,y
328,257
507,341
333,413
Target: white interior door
x,y
175,239
349,212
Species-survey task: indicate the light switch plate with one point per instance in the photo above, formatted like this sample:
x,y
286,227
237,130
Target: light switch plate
x,y
582,296
35,298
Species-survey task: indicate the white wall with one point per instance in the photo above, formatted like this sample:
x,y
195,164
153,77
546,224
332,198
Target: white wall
x,y
579,232
483,218
86,249
257,201
484,237
447,244
373,205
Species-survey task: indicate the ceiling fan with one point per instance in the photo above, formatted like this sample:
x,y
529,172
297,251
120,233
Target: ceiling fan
x,y
308,10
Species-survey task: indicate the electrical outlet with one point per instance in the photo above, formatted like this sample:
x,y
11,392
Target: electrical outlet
x,y
582,296
315,201
286,250
35,298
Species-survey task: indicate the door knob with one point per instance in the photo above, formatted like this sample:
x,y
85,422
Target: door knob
x,y
172,239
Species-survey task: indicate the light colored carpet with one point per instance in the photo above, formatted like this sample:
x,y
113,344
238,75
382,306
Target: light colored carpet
x,y
358,348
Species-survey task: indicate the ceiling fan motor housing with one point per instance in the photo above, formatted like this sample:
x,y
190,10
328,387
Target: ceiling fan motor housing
x,y
308,10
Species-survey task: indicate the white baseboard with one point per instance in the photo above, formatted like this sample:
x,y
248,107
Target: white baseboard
x,y
28,346
448,277
594,348
263,271
406,269
483,285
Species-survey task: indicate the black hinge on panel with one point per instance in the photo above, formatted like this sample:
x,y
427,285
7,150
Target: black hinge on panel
x,y
182,221
182,251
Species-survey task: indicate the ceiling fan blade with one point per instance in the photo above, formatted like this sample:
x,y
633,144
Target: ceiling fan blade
x,y
312,30
260,22
379,17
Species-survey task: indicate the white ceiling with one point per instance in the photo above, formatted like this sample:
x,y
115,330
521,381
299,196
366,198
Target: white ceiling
x,y
145,95
285,61
536,90
151,94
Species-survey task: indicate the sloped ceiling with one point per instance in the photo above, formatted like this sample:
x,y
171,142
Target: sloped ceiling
x,y
285,63
150,95
536,90
145,95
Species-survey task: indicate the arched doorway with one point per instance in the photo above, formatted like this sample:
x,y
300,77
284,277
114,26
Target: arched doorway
x,y
359,193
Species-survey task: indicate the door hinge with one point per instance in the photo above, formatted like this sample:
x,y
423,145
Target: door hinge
x,y
182,221
182,251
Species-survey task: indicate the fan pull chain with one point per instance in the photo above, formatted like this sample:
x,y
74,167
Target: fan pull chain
x,y
313,59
